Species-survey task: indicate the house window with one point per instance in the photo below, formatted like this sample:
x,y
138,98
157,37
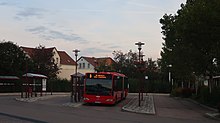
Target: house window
x,y
57,60
88,65
80,65
83,65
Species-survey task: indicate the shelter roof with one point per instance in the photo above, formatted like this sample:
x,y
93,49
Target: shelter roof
x,y
32,75
9,78
78,74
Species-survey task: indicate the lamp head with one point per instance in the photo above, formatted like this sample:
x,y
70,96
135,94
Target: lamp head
x,y
76,51
139,44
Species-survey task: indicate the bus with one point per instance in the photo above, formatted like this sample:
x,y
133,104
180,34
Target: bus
x,y
105,87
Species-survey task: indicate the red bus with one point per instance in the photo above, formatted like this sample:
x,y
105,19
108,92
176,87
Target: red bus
x,y
105,87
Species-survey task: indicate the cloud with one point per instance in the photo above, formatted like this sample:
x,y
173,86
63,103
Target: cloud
x,y
30,12
8,3
3,4
110,45
38,30
49,34
114,47
93,50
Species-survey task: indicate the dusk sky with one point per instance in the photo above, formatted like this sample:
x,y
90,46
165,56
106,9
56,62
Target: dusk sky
x,y
95,27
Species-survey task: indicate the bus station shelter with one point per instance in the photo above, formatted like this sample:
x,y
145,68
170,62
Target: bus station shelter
x,y
9,83
33,84
77,81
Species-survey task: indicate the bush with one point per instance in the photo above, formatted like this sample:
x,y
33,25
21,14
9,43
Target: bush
x,y
59,85
182,92
133,85
210,99
204,95
187,92
176,92
218,107
148,86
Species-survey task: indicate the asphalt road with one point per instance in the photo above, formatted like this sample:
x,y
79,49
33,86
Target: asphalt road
x,y
168,110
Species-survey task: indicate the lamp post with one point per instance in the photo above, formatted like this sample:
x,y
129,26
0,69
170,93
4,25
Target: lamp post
x,y
76,51
139,44
169,77
142,70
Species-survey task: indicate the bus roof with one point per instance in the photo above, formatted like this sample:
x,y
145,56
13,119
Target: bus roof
x,y
112,73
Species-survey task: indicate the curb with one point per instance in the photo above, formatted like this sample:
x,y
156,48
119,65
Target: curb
x,y
10,94
204,106
44,93
215,116
33,99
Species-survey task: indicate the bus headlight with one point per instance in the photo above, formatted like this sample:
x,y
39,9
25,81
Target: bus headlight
x,y
85,98
109,100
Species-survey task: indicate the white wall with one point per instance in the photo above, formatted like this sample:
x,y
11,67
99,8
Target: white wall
x,y
56,57
66,71
86,69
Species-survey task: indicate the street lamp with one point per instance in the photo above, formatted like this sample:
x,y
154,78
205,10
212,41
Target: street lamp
x,y
169,75
142,64
76,51
139,44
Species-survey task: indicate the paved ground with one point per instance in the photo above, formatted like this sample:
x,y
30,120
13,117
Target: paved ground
x,y
179,108
146,105
57,109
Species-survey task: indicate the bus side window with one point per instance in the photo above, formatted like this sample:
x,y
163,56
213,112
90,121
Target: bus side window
x,y
115,84
126,83
118,81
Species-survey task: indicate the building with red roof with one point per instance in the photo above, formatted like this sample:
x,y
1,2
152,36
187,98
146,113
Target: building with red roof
x,y
88,64
66,64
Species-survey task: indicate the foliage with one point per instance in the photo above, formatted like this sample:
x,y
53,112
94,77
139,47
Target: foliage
x,y
59,85
192,39
182,92
125,63
102,66
13,60
205,97
44,62
214,97
218,107
133,85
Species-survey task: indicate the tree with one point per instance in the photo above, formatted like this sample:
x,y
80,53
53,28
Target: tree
x,y
192,39
102,66
44,62
13,60
125,63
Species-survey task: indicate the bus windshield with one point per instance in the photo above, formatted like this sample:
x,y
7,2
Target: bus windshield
x,y
99,87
